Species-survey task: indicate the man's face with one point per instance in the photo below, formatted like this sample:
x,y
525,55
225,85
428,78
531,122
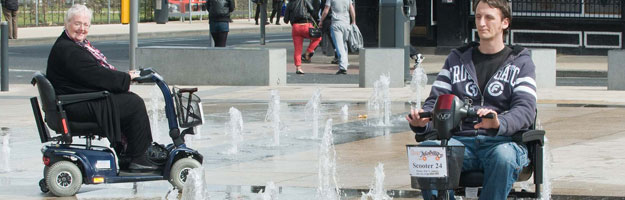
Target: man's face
x,y
489,22
78,27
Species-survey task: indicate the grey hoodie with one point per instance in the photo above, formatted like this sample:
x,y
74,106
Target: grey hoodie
x,y
511,91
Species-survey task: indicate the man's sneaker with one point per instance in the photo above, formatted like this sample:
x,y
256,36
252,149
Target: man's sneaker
x,y
341,71
335,61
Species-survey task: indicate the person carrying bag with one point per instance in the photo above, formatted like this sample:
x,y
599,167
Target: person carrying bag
x,y
315,31
298,12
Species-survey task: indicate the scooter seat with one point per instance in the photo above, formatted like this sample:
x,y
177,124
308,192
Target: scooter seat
x,y
84,128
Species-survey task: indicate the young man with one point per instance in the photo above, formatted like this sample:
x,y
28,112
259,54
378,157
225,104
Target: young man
x,y
498,80
342,11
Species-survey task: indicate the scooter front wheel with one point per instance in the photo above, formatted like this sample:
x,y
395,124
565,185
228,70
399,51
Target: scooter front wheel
x,y
64,179
180,170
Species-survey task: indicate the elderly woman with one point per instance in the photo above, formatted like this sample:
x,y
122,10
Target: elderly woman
x,y
75,66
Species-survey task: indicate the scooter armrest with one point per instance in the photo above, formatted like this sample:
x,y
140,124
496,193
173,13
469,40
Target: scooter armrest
x,y
530,136
75,98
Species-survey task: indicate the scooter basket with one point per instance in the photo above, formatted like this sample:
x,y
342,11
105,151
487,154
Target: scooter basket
x,y
455,156
188,109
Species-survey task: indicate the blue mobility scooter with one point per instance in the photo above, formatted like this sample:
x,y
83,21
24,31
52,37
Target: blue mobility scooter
x,y
68,166
440,167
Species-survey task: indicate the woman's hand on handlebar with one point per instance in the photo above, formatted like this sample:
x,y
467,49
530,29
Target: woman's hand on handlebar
x,y
487,123
414,119
133,74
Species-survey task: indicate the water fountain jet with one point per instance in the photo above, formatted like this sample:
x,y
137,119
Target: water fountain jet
x,y
235,128
379,103
273,115
377,191
5,163
270,192
418,82
195,188
313,111
345,113
328,188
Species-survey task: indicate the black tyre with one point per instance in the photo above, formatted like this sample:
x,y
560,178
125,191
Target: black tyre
x,y
43,186
45,171
64,179
42,183
180,170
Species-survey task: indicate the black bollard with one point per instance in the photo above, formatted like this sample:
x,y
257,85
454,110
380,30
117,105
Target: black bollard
x,y
4,57
263,19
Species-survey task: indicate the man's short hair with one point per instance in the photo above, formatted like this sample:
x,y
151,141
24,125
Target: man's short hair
x,y
503,6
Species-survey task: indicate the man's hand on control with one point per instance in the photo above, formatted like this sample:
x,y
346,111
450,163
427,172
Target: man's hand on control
x,y
486,122
415,120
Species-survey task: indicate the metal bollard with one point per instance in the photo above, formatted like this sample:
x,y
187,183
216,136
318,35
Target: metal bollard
x,y
4,57
263,19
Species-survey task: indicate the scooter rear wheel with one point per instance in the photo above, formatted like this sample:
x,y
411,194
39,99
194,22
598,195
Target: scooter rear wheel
x,y
64,179
180,170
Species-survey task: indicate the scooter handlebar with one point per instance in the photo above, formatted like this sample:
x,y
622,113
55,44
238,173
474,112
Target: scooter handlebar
x,y
429,115
473,113
145,76
489,116
143,79
422,115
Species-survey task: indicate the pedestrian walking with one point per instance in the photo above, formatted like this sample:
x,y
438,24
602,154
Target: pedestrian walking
x,y
340,29
9,10
218,19
259,3
327,46
277,9
299,14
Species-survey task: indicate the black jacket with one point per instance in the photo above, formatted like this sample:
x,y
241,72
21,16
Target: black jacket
x,y
511,91
214,5
10,4
72,69
294,15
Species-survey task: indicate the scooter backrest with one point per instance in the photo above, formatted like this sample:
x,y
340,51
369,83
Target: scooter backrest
x,y
48,99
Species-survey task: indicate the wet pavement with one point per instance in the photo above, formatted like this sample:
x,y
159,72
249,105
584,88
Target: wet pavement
x,y
584,141
584,128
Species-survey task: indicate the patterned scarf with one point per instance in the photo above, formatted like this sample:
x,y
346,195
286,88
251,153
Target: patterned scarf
x,y
95,52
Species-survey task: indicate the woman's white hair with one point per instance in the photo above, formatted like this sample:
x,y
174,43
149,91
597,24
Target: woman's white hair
x,y
77,9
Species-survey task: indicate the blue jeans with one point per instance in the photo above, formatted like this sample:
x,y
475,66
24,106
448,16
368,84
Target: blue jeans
x,y
217,27
501,159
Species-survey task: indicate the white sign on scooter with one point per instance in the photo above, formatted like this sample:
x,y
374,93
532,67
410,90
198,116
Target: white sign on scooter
x,y
427,162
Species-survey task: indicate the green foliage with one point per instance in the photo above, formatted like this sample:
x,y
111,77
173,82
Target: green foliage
x,y
52,12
